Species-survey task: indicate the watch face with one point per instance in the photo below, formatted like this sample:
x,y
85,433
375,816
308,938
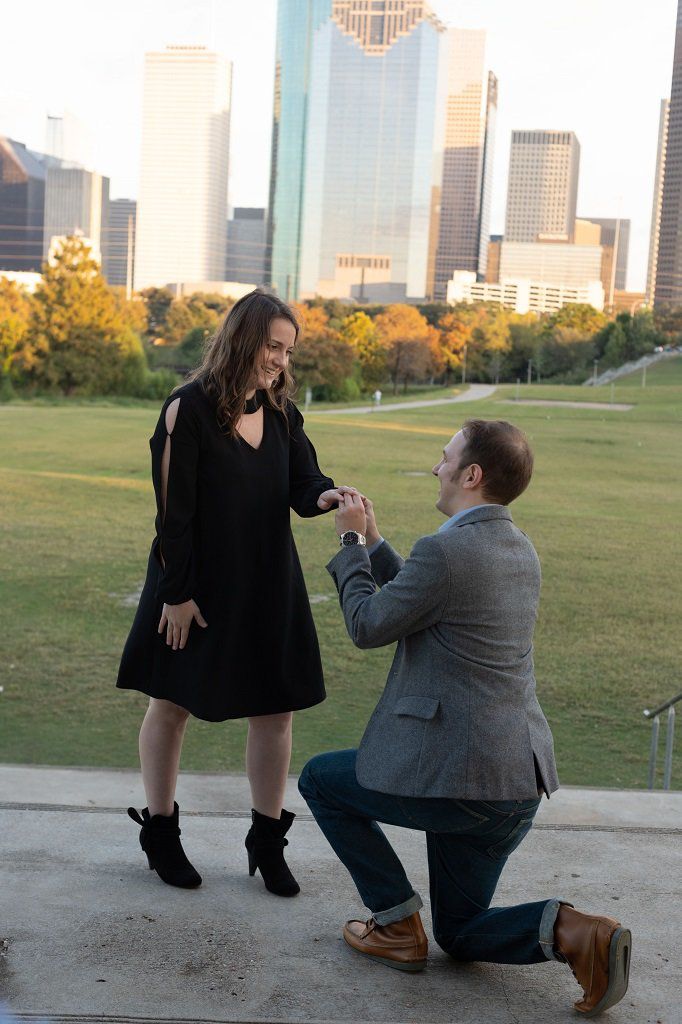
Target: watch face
x,y
349,538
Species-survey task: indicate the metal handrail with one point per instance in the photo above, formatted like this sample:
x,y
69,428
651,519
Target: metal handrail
x,y
653,714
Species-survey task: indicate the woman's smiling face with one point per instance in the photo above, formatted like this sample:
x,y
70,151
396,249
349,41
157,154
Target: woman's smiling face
x,y
276,352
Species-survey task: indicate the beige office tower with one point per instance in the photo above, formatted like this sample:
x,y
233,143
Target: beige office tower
x,y
658,201
542,191
182,203
467,159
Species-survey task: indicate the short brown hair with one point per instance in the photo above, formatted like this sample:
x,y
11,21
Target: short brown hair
x,y
503,453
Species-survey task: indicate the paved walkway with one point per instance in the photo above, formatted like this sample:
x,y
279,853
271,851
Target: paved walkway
x,y
474,393
613,406
92,935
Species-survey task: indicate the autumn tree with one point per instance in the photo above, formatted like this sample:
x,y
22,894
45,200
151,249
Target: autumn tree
x,y
15,315
492,335
323,361
360,332
456,328
409,342
78,341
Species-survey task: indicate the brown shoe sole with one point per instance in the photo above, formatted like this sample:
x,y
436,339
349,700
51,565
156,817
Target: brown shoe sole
x,y
619,972
397,965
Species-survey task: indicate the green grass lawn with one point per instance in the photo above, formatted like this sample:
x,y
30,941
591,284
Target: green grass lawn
x,y
603,511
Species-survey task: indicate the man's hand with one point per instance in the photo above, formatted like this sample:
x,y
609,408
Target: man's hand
x,y
372,533
351,514
330,498
176,620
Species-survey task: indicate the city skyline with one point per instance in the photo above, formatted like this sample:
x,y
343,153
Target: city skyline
x,y
546,62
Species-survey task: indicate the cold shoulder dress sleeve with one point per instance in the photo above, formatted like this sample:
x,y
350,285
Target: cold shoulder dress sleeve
x,y
223,538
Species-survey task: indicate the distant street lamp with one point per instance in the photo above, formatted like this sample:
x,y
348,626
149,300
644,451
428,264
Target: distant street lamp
x,y
464,364
594,371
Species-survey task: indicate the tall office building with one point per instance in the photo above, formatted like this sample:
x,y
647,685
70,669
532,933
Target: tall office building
x,y
668,290
356,148
119,243
657,201
543,186
67,139
551,262
467,159
22,204
182,203
246,231
615,235
76,202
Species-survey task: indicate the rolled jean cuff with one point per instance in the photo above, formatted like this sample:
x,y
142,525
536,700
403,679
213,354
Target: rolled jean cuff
x,y
400,912
547,922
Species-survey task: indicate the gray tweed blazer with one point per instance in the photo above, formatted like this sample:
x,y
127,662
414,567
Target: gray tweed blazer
x,y
458,716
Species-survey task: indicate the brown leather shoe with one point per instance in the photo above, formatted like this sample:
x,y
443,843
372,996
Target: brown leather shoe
x,y
597,950
402,945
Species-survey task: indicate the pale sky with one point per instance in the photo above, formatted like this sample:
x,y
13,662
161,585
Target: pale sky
x,y
597,67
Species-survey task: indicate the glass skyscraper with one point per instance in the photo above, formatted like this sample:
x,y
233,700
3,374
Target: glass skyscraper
x,y
22,207
468,159
668,288
357,148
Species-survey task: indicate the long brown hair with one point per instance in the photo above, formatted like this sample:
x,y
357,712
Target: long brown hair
x,y
233,353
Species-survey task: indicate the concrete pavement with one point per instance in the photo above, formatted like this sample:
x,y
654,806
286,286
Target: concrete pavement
x,y
93,935
474,393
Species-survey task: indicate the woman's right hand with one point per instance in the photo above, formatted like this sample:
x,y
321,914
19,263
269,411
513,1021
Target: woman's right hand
x,y
176,620
373,534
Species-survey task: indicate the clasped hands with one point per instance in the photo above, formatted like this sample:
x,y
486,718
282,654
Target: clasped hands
x,y
354,511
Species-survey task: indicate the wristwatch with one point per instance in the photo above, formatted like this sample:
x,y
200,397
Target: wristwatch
x,y
351,538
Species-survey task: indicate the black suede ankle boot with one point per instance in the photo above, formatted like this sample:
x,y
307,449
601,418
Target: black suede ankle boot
x,y
160,840
265,844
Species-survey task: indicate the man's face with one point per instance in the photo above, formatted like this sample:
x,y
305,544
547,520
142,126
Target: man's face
x,y
448,473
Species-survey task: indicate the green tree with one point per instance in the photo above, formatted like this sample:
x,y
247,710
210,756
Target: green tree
x,y
192,347
157,302
579,317
613,345
668,323
78,341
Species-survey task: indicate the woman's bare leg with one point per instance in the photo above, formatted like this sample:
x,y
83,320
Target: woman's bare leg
x,y
268,755
161,736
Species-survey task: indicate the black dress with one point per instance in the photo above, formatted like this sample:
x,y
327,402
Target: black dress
x,y
226,542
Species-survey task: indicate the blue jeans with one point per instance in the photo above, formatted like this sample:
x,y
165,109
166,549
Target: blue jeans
x,y
468,842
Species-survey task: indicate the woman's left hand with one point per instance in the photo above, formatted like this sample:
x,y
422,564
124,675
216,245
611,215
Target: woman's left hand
x,y
328,499
351,515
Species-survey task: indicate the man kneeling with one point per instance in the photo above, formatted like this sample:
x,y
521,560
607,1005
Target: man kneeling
x,y
458,746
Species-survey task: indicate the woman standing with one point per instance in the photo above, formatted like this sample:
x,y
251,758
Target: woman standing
x,y
224,629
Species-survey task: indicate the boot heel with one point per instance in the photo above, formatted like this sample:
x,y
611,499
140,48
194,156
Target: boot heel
x,y
160,842
265,844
